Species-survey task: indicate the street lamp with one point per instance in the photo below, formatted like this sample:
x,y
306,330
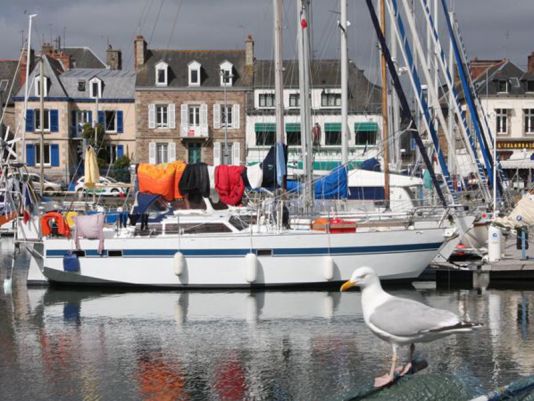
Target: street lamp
x,y
226,75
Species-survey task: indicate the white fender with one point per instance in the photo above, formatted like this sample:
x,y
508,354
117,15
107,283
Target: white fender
x,y
251,267
329,266
179,263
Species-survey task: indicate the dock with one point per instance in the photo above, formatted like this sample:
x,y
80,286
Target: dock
x,y
513,269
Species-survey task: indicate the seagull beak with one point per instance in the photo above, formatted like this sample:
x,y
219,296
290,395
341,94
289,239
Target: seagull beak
x,y
348,285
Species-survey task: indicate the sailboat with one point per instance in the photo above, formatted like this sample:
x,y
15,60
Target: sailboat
x,y
227,249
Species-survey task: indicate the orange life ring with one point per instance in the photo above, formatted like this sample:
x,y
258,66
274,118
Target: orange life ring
x,y
49,218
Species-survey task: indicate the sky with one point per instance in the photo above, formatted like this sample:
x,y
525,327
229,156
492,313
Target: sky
x,y
491,28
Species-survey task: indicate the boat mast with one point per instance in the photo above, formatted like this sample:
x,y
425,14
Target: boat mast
x,y
344,83
385,122
305,107
278,71
26,87
41,122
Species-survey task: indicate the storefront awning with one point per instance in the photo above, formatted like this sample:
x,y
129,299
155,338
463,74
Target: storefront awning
x,y
332,127
265,127
293,127
366,127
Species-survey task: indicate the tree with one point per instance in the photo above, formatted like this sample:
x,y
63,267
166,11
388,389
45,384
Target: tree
x,y
96,137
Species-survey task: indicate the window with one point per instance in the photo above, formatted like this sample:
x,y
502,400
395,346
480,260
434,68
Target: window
x,y
330,99
82,117
194,115
162,153
365,138
294,100
529,121
530,86
37,83
266,100
502,86
226,73
161,73
113,152
226,116
194,73
110,120
81,86
95,88
293,138
47,156
194,153
332,137
265,138
46,114
162,120
3,85
501,116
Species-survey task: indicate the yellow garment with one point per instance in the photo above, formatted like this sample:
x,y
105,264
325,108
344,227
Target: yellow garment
x,y
69,217
92,175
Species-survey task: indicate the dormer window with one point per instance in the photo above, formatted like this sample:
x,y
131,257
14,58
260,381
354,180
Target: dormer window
x,y
37,84
95,88
502,86
530,86
162,74
226,73
194,73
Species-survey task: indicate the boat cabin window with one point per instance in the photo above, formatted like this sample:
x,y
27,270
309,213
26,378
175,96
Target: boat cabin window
x,y
238,223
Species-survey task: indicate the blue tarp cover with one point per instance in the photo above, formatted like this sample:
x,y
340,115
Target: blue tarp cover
x,y
332,186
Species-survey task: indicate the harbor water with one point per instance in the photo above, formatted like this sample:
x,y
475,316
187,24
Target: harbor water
x,y
69,344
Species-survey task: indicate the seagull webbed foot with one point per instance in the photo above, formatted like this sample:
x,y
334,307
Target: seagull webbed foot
x,y
384,380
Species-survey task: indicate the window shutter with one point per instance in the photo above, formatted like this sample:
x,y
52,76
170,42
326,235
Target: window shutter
x,y
120,122
151,116
120,151
152,152
204,119
73,118
102,119
235,116
172,116
183,119
172,152
54,121
29,121
236,153
30,154
216,116
54,155
90,117
216,153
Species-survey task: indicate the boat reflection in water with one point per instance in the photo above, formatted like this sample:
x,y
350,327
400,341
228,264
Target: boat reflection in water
x,y
230,345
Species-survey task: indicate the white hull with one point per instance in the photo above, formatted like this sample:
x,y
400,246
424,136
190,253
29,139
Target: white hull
x,y
290,258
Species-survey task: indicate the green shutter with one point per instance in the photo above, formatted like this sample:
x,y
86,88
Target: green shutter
x,y
365,127
265,127
332,127
293,127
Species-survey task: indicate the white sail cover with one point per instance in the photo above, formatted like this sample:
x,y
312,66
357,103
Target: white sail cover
x,y
521,216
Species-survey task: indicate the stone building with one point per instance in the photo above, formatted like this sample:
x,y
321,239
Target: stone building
x,y
190,104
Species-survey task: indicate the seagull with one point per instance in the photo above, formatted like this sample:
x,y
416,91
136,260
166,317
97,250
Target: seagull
x,y
401,321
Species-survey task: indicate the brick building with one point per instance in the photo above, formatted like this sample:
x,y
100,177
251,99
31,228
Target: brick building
x,y
190,104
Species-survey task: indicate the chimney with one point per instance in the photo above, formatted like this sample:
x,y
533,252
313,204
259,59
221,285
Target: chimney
x,y
65,60
47,49
114,58
249,51
531,63
139,51
24,66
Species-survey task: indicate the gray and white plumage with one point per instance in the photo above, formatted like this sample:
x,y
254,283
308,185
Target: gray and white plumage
x,y
398,320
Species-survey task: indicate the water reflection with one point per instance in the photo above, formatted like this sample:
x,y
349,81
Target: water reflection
x,y
95,345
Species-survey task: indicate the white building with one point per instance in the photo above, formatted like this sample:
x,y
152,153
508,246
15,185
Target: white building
x,y
364,118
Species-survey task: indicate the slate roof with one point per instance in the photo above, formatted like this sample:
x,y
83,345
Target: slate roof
x,y
52,69
7,73
364,97
83,57
117,84
507,71
178,61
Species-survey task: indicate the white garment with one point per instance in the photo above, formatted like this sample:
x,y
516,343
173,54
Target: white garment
x,y
255,176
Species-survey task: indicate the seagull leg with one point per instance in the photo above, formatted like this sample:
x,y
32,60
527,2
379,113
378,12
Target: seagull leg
x,y
408,367
388,378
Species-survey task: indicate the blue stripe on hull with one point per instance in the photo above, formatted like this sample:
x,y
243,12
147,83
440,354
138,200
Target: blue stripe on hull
x,y
353,250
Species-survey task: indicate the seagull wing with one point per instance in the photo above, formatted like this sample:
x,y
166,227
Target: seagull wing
x,y
405,318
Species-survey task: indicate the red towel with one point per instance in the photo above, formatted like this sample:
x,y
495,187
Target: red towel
x,y
229,184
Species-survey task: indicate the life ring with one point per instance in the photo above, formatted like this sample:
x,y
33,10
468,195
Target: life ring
x,y
54,223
